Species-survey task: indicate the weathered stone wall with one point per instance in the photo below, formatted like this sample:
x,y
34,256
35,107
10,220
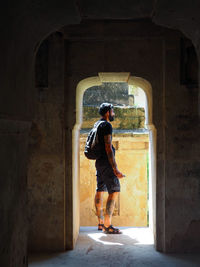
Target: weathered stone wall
x,y
131,207
182,205
46,160
117,93
23,26
131,157
14,144
125,117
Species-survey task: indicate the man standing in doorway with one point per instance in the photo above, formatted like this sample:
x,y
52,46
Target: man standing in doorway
x,y
108,174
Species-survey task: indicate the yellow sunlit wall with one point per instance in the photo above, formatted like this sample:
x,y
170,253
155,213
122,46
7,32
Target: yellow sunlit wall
x,y
132,205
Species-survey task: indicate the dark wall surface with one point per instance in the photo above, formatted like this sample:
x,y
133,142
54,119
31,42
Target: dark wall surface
x,y
46,152
24,24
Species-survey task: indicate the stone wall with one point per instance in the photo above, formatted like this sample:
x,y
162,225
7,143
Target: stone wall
x,y
136,53
132,205
46,153
23,26
131,157
181,158
125,117
117,93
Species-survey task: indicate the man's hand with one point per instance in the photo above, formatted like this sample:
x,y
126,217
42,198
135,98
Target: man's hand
x,y
118,173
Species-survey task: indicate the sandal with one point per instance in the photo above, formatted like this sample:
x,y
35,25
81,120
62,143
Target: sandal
x,y
100,227
114,230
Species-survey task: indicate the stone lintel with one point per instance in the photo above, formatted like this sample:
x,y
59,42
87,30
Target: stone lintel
x,y
114,77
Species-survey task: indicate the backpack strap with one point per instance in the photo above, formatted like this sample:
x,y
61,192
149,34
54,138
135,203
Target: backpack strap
x,y
96,127
100,122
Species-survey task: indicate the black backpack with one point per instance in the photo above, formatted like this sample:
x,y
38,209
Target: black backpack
x,y
92,146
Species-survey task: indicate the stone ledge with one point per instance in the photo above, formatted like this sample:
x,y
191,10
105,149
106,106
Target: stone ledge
x,y
121,133
126,117
124,143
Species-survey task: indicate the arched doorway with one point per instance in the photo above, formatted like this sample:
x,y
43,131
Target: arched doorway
x,y
134,81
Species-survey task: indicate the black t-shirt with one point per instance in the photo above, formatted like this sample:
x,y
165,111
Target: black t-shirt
x,y
105,128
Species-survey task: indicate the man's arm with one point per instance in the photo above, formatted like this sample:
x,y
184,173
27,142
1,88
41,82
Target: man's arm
x,y
110,154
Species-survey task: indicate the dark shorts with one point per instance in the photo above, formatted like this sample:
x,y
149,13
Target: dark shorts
x,y
106,179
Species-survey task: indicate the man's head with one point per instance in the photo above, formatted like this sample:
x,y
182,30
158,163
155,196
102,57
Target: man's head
x,y
106,111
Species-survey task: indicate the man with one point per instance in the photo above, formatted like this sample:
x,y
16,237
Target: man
x,y
108,174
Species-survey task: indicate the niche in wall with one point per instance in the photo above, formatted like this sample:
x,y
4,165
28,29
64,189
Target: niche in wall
x,y
188,64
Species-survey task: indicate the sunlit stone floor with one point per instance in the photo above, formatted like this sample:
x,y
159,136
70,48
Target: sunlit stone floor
x,y
133,248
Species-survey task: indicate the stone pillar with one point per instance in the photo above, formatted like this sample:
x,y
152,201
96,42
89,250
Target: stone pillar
x,y
13,197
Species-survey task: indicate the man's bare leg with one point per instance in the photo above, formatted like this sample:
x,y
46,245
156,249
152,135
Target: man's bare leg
x,y
99,207
110,205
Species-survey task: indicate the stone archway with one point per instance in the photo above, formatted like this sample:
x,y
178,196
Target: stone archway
x,y
98,80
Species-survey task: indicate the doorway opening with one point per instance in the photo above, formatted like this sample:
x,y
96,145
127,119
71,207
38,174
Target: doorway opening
x,y
138,144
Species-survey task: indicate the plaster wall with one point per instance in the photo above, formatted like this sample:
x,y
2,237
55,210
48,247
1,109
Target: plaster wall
x,y
132,205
